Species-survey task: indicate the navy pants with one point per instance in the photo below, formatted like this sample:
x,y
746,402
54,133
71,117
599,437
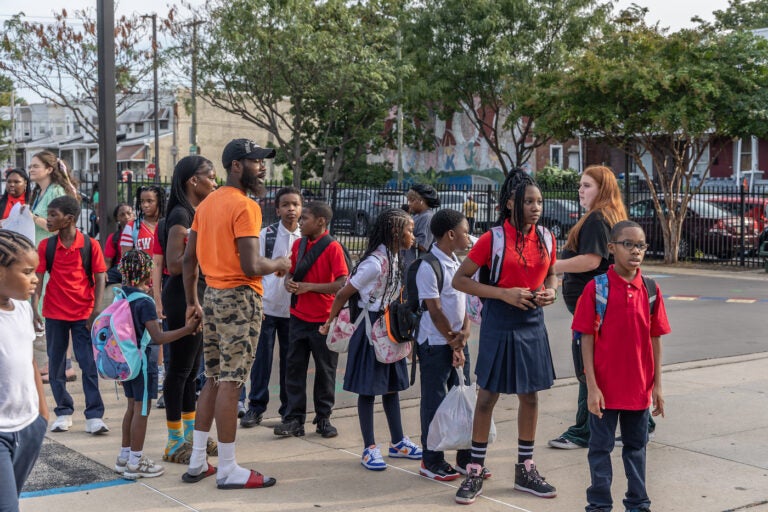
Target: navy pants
x,y
57,335
261,370
634,434
18,454
306,340
437,375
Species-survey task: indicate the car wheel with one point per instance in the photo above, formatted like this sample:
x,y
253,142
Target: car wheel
x,y
361,226
557,230
683,249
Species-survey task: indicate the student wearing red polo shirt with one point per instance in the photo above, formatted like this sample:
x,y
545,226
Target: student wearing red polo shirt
x,y
313,294
622,363
68,308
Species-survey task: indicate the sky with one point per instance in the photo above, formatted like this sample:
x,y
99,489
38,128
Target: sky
x,y
674,14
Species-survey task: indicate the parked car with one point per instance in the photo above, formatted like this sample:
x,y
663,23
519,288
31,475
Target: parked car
x,y
355,210
560,215
707,229
486,206
755,208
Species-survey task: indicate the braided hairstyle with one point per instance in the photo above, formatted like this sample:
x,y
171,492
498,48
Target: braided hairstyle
x,y
159,194
388,230
135,267
184,171
11,245
514,188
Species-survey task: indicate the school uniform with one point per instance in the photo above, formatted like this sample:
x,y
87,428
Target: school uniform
x,y
624,371
514,355
437,374
365,375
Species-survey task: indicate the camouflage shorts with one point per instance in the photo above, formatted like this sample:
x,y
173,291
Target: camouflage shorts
x,y
231,325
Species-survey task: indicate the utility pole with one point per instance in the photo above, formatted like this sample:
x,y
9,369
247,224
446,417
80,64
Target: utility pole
x,y
194,149
12,148
154,93
105,34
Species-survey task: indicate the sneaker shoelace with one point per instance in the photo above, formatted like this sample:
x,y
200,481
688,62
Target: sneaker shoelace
x,y
375,453
534,476
470,483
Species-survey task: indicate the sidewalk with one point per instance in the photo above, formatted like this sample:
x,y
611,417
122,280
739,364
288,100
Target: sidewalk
x,y
710,454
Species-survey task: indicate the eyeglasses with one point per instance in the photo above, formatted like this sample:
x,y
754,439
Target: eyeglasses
x,y
629,244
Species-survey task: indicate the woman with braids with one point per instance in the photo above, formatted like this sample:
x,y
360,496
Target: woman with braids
x,y
23,409
377,277
585,256
150,208
514,355
16,191
193,179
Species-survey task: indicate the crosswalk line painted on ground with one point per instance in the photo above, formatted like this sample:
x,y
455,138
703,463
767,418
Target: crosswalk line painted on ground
x,y
683,297
741,301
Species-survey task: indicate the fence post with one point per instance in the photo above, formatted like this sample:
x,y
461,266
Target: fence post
x,y
333,206
128,189
742,220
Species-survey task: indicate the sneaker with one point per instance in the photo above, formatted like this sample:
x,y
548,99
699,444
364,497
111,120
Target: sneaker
x,y
528,479
289,428
240,409
62,423
120,465
70,375
485,473
372,459
472,486
251,418
405,449
146,468
96,426
641,509
325,429
442,471
564,444
160,404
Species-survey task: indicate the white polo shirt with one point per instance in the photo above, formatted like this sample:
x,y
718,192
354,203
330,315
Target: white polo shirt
x,y
276,300
453,302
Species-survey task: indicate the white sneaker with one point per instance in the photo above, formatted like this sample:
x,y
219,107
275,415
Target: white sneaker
x,y
62,423
120,465
95,426
146,468
241,410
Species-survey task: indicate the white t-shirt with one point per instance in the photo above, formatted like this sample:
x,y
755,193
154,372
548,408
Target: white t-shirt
x,y
276,300
19,402
452,301
370,279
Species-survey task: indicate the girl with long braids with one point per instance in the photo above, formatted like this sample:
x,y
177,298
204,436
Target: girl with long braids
x,y
514,355
193,179
377,277
150,208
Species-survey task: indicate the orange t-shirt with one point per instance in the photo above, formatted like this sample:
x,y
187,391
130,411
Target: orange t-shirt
x,y
226,215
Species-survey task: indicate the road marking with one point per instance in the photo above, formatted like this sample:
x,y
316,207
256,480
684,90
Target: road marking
x,y
683,297
741,301
75,488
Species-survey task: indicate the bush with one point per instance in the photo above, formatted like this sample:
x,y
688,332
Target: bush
x,y
556,178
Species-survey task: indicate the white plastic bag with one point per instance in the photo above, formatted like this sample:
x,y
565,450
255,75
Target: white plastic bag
x,y
451,428
20,221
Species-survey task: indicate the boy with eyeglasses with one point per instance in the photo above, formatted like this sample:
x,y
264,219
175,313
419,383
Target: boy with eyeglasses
x,y
622,364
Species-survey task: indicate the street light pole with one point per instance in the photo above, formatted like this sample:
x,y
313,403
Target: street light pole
x,y
154,93
194,149
105,35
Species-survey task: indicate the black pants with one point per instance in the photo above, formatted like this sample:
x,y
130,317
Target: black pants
x,y
305,340
179,386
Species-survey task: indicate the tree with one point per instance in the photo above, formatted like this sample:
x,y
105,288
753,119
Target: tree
x,y
316,75
58,61
741,15
670,96
482,57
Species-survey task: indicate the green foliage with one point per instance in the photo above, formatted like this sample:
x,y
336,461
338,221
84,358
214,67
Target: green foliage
x,y
551,177
742,15
376,175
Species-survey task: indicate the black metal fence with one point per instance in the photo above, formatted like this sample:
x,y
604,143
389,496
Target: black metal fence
x,y
724,225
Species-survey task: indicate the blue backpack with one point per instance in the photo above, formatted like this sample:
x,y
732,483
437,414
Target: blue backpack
x,y
601,304
119,355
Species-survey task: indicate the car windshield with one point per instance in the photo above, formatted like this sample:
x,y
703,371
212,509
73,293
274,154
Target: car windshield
x,y
709,210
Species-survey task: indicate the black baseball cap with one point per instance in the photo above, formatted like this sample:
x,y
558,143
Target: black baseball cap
x,y
239,149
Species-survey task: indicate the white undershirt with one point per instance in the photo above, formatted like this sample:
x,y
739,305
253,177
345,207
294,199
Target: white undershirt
x,y
19,403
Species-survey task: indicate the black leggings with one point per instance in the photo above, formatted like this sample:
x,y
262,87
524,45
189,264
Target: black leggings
x,y
179,385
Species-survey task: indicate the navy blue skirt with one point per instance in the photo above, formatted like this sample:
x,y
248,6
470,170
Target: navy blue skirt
x,y
365,375
514,355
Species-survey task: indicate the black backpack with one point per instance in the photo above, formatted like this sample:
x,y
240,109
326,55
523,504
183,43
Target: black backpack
x,y
85,256
404,314
270,235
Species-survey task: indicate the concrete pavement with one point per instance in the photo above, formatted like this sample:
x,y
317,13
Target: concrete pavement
x,y
709,454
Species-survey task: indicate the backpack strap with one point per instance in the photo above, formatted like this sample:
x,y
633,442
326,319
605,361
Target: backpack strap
x,y
116,246
437,269
135,233
50,252
498,246
546,237
601,298
305,259
650,287
270,236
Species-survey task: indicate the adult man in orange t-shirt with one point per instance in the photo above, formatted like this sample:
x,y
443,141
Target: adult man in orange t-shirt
x,y
227,224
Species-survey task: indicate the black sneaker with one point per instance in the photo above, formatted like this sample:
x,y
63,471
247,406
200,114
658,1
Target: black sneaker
x,y
471,487
528,479
485,473
251,419
442,471
324,428
289,428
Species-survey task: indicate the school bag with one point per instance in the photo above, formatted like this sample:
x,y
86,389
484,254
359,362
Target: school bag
x,y
490,274
85,256
119,355
270,235
601,304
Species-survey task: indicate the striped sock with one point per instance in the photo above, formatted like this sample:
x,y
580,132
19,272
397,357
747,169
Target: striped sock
x,y
478,452
524,450
188,418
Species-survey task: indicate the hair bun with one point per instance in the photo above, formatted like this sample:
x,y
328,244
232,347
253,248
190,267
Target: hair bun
x,y
428,193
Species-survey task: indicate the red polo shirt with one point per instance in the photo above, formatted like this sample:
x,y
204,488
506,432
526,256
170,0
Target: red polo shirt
x,y
68,294
528,271
311,306
623,351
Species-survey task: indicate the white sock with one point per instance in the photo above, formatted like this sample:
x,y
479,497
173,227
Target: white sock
x,y
228,470
125,451
199,456
133,458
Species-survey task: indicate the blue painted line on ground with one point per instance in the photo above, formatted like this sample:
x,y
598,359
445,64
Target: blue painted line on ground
x,y
76,488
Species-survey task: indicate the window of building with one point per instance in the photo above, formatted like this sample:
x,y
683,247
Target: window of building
x,y
138,127
556,156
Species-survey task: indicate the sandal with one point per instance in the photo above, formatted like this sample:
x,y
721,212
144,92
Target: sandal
x,y
181,455
255,481
191,479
